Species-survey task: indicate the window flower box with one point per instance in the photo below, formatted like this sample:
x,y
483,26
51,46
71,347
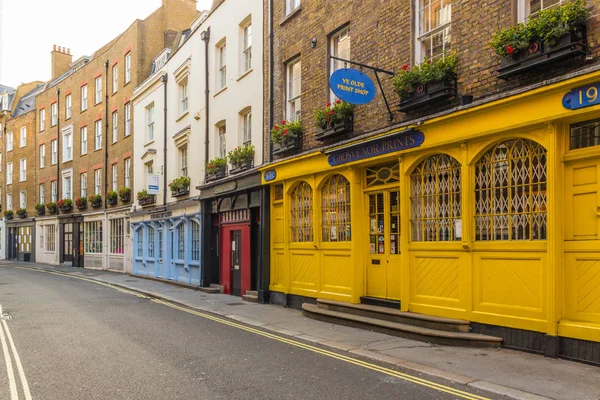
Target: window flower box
x,y
555,34
216,169
96,201
335,119
241,158
81,203
112,198
8,214
65,205
217,174
52,208
426,84
146,201
22,213
180,186
125,194
337,128
242,166
40,209
180,192
286,137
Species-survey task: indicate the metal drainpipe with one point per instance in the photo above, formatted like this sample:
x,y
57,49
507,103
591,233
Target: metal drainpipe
x,y
206,39
58,180
271,82
164,80
106,137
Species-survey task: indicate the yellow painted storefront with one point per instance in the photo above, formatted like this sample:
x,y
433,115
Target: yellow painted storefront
x,y
413,223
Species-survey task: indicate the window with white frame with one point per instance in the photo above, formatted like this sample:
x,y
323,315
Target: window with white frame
x,y
222,140
42,156
293,90
42,119
83,185
151,235
23,170
84,98
247,127
67,185
222,65
150,123
115,75
247,46
98,134
114,177
128,172
9,172
50,233
68,145
530,8
68,106
127,68
42,194
291,5
434,19
98,92
127,119
340,48
93,237
23,199
181,241
117,235
183,96
9,141
84,139
115,127
54,191
23,137
9,204
54,114
195,241
183,160
97,181
140,243
54,149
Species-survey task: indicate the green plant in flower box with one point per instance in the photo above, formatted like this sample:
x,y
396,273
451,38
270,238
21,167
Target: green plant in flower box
x,y
215,165
333,113
287,130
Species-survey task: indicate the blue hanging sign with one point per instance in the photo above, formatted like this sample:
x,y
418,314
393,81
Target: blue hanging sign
x,y
581,97
390,144
352,86
270,175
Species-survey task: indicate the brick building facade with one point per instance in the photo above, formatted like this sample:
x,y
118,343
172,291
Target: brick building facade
x,y
460,206
85,138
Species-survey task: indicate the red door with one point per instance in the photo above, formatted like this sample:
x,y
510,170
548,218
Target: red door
x,y
235,239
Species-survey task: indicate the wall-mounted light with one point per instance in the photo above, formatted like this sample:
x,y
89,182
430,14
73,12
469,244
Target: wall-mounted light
x,y
313,42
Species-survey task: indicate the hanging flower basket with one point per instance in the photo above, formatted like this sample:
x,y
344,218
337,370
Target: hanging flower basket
x,y
556,34
334,120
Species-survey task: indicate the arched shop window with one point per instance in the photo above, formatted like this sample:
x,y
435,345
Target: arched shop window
x,y
302,213
510,192
435,200
150,242
335,210
195,241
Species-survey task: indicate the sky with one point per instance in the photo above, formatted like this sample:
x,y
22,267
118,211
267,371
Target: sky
x,y
31,27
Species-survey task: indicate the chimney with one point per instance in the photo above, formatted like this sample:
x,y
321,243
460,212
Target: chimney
x,y
61,60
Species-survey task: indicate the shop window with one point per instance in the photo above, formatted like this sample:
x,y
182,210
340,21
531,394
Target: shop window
x,y
435,200
150,242
140,243
93,237
383,174
116,236
181,241
335,209
510,192
302,213
195,241
160,244
585,134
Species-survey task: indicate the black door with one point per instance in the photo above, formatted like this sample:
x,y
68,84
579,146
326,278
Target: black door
x,y
68,243
13,244
236,271
78,245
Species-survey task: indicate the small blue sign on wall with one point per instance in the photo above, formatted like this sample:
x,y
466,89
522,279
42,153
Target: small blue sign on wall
x,y
352,86
581,97
270,175
389,144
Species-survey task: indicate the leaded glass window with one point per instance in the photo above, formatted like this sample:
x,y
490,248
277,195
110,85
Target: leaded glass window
x,y
435,199
383,174
195,241
585,134
510,192
335,210
150,242
302,213
181,241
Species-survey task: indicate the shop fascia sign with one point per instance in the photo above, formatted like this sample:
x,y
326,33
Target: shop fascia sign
x,y
403,140
581,97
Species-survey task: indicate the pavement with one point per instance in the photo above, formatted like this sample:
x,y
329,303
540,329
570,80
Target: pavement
x,y
509,373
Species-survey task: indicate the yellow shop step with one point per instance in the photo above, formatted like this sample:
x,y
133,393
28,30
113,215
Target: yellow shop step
x,y
426,328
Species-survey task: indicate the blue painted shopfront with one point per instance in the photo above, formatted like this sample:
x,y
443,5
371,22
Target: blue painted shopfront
x,y
168,249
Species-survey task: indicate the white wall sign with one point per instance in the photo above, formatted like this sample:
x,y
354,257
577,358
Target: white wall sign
x,y
153,184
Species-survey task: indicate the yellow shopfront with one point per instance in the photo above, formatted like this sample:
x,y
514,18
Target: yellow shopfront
x,y
493,218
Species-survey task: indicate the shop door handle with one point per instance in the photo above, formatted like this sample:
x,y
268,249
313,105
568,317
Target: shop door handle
x,y
597,210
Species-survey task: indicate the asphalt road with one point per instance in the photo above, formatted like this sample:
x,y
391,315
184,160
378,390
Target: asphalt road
x,y
80,340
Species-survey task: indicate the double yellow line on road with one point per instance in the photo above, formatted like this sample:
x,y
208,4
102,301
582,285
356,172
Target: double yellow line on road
x,y
387,371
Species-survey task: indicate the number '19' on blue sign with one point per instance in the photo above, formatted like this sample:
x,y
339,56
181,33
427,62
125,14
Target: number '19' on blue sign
x,y
581,97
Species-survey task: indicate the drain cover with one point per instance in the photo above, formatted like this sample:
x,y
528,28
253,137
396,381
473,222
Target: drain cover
x,y
235,304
